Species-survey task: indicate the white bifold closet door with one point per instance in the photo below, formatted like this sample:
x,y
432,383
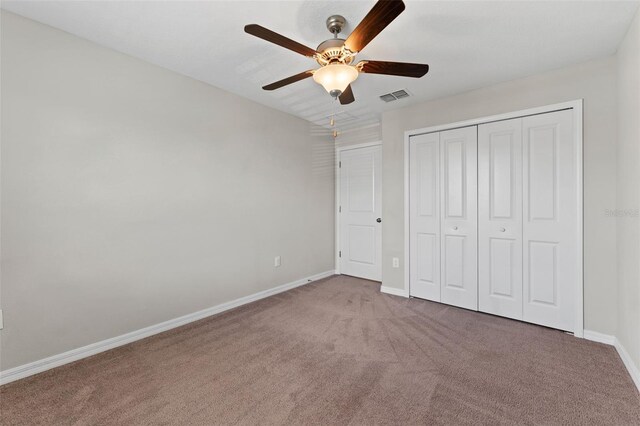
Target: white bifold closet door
x,y
527,206
443,217
550,213
493,220
424,224
459,242
500,218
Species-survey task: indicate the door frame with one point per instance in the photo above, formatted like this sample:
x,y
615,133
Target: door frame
x,y
577,107
339,150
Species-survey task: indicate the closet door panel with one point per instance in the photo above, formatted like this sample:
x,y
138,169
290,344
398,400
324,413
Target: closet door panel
x,y
424,226
500,218
459,282
550,207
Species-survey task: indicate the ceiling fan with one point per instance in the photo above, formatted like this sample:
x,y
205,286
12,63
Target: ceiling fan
x,y
335,56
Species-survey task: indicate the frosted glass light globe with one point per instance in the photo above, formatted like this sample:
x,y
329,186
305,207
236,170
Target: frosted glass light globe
x,y
335,77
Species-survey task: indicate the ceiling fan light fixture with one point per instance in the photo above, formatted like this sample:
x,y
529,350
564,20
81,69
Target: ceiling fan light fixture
x,y
335,77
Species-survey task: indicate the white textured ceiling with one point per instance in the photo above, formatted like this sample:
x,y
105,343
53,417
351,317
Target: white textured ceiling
x,y
467,44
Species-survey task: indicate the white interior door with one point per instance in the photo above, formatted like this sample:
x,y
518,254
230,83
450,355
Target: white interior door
x,y
458,171
424,222
550,205
360,208
500,218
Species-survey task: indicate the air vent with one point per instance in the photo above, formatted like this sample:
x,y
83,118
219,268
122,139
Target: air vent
x,y
394,96
400,94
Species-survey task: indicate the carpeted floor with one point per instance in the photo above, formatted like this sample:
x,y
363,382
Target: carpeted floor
x,y
337,352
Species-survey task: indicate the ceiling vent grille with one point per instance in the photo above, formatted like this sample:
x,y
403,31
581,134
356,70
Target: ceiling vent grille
x,y
394,96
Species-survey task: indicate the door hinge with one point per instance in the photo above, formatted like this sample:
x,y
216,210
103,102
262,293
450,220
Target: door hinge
x,y
340,253
340,209
339,164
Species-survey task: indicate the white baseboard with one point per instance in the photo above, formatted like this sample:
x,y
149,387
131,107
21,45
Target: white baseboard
x,y
607,339
39,366
628,362
595,336
394,291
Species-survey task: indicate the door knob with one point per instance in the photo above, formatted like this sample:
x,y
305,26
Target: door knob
x,y
455,228
502,229
379,220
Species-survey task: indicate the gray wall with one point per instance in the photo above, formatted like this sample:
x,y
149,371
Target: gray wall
x,y
596,83
366,134
629,192
132,195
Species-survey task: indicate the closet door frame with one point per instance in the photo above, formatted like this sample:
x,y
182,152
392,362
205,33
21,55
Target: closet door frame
x,y
577,108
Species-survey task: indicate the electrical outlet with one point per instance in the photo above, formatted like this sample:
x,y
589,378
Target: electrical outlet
x,y
396,262
277,262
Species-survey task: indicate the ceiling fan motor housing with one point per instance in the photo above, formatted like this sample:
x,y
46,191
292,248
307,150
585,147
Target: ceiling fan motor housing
x,y
332,52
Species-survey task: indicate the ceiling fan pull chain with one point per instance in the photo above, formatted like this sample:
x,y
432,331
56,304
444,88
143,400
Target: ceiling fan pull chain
x,y
332,122
335,132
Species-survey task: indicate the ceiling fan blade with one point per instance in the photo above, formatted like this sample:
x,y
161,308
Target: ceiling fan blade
x,y
382,14
280,40
403,69
347,96
288,80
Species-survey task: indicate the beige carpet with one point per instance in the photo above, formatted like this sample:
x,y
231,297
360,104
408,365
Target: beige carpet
x,y
337,352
